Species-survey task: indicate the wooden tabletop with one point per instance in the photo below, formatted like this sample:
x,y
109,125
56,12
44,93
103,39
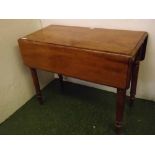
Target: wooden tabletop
x,y
107,40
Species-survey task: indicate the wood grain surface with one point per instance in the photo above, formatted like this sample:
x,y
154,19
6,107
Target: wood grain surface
x,y
108,40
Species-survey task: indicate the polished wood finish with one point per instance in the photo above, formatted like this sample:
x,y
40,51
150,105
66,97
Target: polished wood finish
x,y
36,84
105,40
102,56
78,63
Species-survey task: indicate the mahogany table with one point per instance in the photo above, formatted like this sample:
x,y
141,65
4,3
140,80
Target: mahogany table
x,y
104,56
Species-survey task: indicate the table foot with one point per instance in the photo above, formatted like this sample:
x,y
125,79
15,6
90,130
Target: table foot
x,y
61,81
118,128
131,102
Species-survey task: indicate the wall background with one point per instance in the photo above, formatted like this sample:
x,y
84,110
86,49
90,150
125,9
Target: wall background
x,y
16,85
146,82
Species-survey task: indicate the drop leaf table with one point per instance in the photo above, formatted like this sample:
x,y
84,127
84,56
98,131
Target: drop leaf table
x,y
103,56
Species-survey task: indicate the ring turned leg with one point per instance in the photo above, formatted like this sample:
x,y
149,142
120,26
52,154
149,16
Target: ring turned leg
x,y
36,84
120,103
134,79
61,81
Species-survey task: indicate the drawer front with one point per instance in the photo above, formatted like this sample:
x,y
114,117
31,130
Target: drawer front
x,y
96,67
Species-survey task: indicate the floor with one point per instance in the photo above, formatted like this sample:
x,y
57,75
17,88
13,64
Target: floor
x,y
78,110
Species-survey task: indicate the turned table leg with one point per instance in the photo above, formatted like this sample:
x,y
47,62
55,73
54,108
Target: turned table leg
x,y
61,80
36,84
120,103
134,79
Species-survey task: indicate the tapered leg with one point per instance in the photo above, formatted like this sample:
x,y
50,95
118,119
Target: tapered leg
x,y
134,79
61,81
120,103
36,84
